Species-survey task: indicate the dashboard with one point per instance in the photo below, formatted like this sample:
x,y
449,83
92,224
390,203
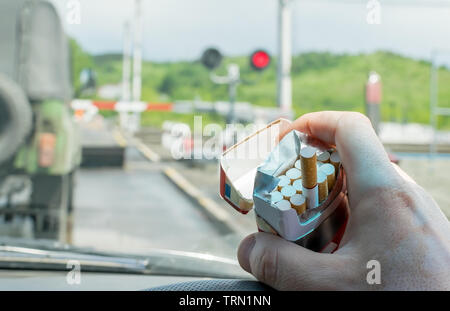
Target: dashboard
x,y
33,280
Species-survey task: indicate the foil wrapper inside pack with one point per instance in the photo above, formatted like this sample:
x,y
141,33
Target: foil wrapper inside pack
x,y
287,223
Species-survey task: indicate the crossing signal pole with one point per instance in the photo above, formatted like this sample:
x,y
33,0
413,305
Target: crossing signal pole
x,y
137,63
126,73
212,58
373,99
284,87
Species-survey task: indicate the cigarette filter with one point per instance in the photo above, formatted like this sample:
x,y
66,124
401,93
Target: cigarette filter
x,y
283,205
298,164
322,185
284,181
329,171
298,202
335,159
288,191
294,174
312,197
324,157
298,186
308,161
276,196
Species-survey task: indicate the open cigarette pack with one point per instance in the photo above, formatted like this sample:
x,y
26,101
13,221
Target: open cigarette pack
x,y
296,186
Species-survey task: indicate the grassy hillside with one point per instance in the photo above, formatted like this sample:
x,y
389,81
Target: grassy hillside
x,y
321,81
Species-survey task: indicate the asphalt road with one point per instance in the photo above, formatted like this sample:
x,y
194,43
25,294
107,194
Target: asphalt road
x,y
137,208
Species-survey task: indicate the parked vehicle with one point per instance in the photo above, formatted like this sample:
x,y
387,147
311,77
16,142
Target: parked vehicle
x,y
39,143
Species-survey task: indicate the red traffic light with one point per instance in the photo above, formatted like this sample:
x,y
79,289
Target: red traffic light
x,y
259,60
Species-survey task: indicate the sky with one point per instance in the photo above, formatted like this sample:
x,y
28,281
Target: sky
x,y
182,29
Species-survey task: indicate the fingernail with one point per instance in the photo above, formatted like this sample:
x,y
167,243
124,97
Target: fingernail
x,y
244,252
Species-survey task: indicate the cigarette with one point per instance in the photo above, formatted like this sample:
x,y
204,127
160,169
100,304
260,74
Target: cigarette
x,y
283,205
308,160
312,197
293,174
284,181
335,159
287,192
298,186
298,202
322,183
324,157
329,171
298,165
276,197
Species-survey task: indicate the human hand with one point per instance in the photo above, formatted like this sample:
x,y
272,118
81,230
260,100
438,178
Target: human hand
x,y
392,220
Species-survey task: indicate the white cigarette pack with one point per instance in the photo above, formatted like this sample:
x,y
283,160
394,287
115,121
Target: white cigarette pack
x,y
249,173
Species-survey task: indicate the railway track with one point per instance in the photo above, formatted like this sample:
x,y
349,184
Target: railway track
x,y
152,136
417,148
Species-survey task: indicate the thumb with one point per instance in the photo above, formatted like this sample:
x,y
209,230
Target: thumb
x,y
284,265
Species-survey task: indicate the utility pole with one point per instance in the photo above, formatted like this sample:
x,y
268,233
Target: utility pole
x,y
284,86
137,62
434,91
436,111
126,71
126,62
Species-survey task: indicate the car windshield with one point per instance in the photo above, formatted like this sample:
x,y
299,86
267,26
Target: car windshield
x,y
114,115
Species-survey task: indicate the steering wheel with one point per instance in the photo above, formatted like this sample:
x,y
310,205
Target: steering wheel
x,y
214,285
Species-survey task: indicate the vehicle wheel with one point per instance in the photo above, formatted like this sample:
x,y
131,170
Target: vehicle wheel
x,y
15,118
50,198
